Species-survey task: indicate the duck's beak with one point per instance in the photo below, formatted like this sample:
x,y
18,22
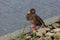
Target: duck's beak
x,y
28,12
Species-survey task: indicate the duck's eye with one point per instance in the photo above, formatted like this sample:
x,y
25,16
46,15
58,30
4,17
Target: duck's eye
x,y
33,11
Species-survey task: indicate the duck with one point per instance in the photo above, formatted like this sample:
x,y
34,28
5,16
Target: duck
x,y
34,18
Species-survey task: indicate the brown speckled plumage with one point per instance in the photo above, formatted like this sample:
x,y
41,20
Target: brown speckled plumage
x,y
34,18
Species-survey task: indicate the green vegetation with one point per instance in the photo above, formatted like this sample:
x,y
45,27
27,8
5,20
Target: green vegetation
x,y
10,38
21,34
57,36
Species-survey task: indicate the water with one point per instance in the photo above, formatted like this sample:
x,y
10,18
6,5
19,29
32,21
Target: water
x,y
12,12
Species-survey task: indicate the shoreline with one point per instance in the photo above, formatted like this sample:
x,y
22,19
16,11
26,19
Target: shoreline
x,y
47,22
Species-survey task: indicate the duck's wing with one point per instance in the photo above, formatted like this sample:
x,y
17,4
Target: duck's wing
x,y
39,20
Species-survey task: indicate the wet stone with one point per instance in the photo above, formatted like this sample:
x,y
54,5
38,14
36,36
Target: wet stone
x,y
49,34
56,25
57,30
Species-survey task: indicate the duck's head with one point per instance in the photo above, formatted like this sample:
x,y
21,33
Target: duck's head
x,y
31,11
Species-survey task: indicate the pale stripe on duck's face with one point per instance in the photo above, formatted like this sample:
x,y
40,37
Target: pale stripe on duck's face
x,y
28,12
